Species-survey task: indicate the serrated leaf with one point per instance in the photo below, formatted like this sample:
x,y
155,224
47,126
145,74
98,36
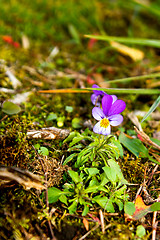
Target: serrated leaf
x,y
10,108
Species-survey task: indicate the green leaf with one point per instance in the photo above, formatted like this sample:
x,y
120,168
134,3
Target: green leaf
x,y
69,158
153,107
44,151
10,108
111,174
120,204
54,194
74,33
119,146
51,116
155,206
69,109
114,165
76,123
63,199
70,137
141,231
121,191
109,207
74,175
102,201
92,171
91,189
134,145
85,210
129,208
73,207
126,40
37,146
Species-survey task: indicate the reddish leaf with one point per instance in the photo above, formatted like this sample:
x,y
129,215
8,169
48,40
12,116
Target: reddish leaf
x,y
90,80
91,43
86,223
16,44
141,208
7,39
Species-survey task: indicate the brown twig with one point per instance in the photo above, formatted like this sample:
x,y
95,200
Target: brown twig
x,y
146,139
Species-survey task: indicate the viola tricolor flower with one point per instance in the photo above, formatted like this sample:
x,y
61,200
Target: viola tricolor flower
x,y
109,114
97,96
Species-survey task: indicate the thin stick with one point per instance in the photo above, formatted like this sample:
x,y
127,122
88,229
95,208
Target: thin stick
x,y
154,225
93,229
102,220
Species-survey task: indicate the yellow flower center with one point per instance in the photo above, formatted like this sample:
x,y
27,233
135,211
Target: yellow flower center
x,y
104,123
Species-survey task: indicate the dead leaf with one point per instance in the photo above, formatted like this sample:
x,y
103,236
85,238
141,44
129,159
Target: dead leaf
x,y
14,81
48,133
25,42
23,177
134,54
141,208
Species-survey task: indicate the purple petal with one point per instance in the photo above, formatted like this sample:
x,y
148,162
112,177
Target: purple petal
x,y
106,131
93,98
115,120
96,91
106,104
97,113
117,107
114,98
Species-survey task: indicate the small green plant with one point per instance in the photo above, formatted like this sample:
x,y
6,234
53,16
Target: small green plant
x,y
97,178
97,151
105,188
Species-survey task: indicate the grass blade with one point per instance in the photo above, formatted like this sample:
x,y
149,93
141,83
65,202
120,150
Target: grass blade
x,y
135,78
139,41
107,90
152,108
